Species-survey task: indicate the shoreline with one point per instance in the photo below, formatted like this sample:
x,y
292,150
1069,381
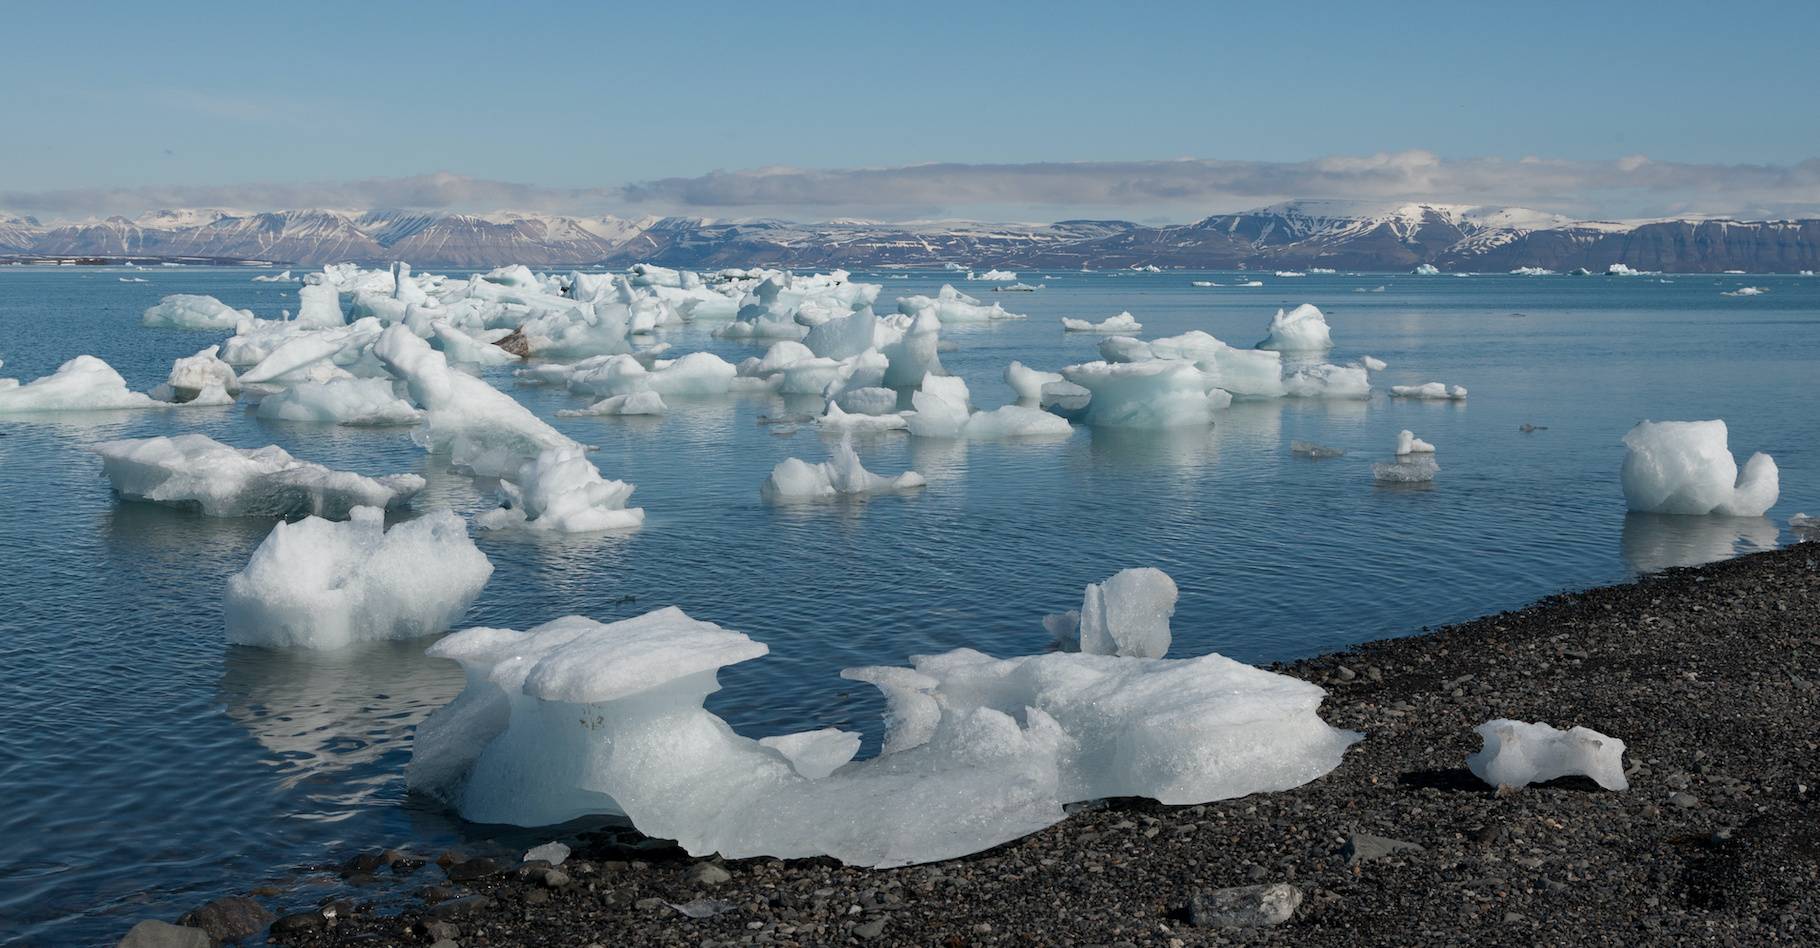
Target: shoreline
x,y
1710,674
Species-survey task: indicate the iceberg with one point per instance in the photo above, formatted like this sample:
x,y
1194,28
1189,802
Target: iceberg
x,y
462,348
1426,269
1123,322
840,476
1746,291
1303,329
561,491
1516,754
193,311
319,306
1325,380
1373,363
1532,271
576,718
943,409
952,306
838,419
1408,443
1000,276
196,471
637,403
193,375
365,402
1412,469
1429,390
1153,395
284,277
1686,467
320,584
1126,615
84,383
1027,382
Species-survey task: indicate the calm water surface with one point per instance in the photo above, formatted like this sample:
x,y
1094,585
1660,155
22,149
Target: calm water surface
x,y
146,765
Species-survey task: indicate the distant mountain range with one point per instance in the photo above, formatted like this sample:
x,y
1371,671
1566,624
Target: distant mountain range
x,y
1300,234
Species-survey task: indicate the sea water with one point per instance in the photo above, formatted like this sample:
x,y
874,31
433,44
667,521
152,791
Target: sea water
x,y
146,765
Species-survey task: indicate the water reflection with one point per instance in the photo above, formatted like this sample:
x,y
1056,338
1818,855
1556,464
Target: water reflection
x,y
1182,448
1652,542
319,713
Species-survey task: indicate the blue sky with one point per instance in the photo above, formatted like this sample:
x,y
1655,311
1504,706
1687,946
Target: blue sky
x,y
135,100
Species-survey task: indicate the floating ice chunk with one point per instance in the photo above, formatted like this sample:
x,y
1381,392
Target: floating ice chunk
x,y
696,375
1013,421
1619,269
839,476
1408,443
1532,271
1291,273
284,277
838,419
1373,364
637,403
1429,390
815,754
1127,615
192,375
365,402
843,337
1686,467
482,428
1309,449
197,471
1746,291
1326,380
1123,322
1303,329
319,306
911,346
1805,527
1411,469
952,267
1027,382
1126,349
192,311
871,400
320,584
561,491
465,349
952,306
1203,283
213,395
301,350
1151,395
84,383
1002,276
1518,754
1426,269
576,717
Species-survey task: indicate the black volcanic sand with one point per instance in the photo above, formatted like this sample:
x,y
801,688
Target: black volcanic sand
x,y
1708,674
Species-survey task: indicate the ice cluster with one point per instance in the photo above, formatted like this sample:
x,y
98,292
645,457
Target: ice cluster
x,y
196,471
321,584
1686,467
1516,754
577,718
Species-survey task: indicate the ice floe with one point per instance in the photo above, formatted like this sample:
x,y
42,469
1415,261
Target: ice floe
x,y
1686,467
193,311
1303,329
196,471
1123,322
576,718
952,306
561,491
369,402
637,403
1429,390
321,584
84,383
192,376
1154,394
1516,754
841,475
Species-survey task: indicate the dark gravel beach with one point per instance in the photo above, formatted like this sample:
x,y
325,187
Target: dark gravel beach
x,y
1709,675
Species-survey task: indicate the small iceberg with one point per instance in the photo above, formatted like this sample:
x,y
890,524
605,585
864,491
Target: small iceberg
x,y
196,471
84,383
1426,269
561,491
1686,467
1122,323
1747,291
193,311
841,475
1433,391
1303,329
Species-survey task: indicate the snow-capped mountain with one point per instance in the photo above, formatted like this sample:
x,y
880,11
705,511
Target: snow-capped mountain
x,y
1338,234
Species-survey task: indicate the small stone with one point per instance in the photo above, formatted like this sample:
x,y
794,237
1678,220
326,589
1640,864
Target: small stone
x,y
298,922
646,905
554,878
707,873
1363,847
460,908
871,929
537,896
471,869
153,933
444,943
1250,906
1685,801
552,853
228,919
437,930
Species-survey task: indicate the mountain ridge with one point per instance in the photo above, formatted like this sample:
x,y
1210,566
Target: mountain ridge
x,y
1294,234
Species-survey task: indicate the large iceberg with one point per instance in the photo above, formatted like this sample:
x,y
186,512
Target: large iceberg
x,y
1303,329
1686,467
840,476
1156,394
84,383
193,470
577,718
1516,754
321,584
561,491
192,311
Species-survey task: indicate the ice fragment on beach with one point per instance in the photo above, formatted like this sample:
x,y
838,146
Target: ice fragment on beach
x,y
1517,754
